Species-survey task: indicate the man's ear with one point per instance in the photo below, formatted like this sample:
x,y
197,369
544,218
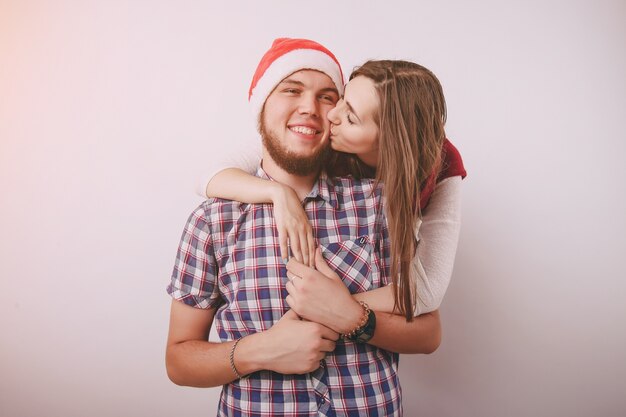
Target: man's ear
x,y
259,122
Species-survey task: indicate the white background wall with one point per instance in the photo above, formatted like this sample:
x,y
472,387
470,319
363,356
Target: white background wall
x,y
111,110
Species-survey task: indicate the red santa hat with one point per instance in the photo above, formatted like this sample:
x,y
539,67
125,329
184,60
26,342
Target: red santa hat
x,y
285,57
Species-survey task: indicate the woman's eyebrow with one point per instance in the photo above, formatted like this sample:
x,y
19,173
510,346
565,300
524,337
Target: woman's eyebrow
x,y
352,110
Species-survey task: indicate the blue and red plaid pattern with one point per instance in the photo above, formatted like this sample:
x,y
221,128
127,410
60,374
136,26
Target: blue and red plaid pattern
x,y
229,259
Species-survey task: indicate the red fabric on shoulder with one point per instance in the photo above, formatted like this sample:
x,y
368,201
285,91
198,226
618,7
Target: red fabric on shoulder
x,y
452,166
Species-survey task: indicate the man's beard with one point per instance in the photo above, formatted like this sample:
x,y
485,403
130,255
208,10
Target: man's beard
x,y
290,161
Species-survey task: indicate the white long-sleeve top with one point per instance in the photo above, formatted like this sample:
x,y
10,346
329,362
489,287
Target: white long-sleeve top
x,y
438,237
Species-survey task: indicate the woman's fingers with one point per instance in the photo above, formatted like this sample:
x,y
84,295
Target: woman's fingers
x,y
304,233
322,266
290,302
311,248
294,245
294,231
304,248
284,245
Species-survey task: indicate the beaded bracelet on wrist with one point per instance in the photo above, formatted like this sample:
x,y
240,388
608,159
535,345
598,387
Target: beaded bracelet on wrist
x,y
362,322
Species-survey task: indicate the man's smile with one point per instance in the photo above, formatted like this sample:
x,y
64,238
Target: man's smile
x,y
304,129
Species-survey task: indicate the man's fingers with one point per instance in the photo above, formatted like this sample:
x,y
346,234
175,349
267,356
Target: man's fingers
x,y
291,315
327,345
329,334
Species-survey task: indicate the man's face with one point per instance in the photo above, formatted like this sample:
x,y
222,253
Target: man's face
x,y
294,125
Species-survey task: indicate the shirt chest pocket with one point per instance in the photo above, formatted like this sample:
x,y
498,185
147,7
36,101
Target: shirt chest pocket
x,y
355,263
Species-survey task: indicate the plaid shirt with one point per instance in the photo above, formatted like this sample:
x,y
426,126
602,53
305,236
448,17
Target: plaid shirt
x,y
229,259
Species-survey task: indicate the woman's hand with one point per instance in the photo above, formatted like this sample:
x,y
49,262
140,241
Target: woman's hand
x,y
293,225
294,229
320,296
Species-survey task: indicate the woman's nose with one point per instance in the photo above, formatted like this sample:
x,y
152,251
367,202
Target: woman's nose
x,y
333,114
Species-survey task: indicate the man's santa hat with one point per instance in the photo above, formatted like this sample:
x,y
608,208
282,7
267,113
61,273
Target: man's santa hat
x,y
285,57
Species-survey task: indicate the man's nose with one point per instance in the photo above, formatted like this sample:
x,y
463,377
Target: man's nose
x,y
309,105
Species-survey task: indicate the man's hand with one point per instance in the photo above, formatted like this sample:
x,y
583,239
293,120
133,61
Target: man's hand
x,y
320,296
296,346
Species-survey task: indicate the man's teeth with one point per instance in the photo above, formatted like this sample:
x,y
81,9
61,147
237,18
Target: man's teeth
x,y
304,130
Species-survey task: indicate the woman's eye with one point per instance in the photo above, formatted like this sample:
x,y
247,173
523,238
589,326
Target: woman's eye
x,y
349,119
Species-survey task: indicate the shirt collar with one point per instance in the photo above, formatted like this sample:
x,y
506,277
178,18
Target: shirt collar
x,y
323,188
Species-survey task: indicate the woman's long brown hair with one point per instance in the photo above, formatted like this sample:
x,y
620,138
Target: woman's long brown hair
x,y
411,119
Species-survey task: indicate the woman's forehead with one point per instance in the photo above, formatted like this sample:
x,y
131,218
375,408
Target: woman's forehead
x,y
361,95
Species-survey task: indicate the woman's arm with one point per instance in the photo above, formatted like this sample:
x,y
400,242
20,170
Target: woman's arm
x,y
434,259
380,299
319,295
394,333
436,249
294,230
239,185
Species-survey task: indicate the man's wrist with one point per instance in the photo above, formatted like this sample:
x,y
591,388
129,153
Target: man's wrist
x,y
249,355
231,357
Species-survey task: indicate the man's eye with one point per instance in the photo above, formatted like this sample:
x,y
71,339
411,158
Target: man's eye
x,y
328,98
291,90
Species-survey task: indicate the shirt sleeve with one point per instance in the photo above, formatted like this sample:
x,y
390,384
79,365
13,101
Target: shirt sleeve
x,y
438,237
195,269
246,158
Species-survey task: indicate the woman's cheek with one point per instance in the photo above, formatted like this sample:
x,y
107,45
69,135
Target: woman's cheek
x,y
338,145
335,145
